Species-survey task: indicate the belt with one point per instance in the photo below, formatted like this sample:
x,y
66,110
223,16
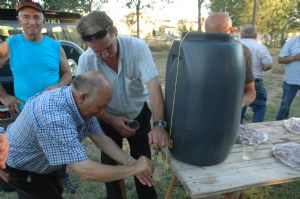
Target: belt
x,y
258,80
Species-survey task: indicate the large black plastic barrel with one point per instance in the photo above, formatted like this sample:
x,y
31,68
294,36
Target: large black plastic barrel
x,y
204,90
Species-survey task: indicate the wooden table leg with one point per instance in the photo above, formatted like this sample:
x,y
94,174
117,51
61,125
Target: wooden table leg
x,y
171,187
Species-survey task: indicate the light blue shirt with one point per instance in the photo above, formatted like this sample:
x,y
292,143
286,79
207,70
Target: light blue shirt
x,y
47,133
35,65
136,67
292,69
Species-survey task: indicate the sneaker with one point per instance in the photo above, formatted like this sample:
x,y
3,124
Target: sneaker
x,y
68,185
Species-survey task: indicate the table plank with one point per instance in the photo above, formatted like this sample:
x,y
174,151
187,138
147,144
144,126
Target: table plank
x,y
235,173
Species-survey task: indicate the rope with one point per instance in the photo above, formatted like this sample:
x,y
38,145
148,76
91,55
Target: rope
x,y
173,103
175,90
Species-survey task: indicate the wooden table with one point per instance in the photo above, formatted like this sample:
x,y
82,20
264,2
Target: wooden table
x,y
235,173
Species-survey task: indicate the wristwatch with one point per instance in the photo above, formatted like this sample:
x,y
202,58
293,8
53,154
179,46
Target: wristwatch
x,y
160,123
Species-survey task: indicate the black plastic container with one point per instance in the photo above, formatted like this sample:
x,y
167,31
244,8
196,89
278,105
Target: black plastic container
x,y
208,97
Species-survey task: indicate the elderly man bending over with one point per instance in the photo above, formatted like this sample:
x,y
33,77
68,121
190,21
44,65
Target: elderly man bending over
x,y
47,135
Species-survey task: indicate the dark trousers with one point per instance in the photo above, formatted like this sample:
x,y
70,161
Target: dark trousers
x,y
138,146
259,105
35,186
289,93
63,172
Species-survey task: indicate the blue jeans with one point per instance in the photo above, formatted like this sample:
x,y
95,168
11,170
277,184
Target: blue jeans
x,y
259,105
289,93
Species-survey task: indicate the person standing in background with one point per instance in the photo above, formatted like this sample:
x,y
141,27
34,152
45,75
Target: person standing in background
x,y
289,56
221,23
261,61
128,65
37,62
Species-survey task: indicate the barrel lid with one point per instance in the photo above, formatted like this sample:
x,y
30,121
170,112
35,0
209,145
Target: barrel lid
x,y
209,36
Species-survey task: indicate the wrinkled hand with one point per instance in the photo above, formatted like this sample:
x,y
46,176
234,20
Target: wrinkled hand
x,y
3,150
158,137
119,124
12,103
144,169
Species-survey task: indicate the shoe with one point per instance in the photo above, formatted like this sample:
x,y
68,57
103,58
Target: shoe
x,y
67,185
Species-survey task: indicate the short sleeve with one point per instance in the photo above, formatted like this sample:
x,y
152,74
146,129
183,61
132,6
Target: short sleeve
x,y
266,57
146,63
285,50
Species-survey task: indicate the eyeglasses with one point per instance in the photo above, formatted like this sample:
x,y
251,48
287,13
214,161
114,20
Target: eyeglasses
x,y
98,35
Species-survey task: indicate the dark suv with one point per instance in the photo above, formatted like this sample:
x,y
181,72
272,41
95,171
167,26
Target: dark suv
x,y
58,25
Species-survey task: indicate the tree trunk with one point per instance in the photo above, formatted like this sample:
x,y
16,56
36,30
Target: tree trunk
x,y
138,19
199,15
255,3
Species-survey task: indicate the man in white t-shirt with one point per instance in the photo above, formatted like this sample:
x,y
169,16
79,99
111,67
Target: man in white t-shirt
x,y
261,61
127,64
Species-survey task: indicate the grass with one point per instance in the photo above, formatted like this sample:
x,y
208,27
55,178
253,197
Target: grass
x,y
272,81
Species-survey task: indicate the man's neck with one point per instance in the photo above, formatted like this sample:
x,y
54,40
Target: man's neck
x,y
34,37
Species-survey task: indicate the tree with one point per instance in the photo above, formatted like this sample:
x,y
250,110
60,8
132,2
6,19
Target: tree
x,y
8,3
138,5
200,2
71,5
235,8
66,5
278,18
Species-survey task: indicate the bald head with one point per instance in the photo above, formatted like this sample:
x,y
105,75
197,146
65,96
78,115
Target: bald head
x,y
218,23
91,83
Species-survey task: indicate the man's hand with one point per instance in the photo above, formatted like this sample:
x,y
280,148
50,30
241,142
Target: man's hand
x,y
158,137
119,124
3,150
12,103
144,169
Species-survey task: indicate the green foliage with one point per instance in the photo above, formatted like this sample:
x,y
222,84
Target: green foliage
x,y
274,17
71,5
66,5
235,8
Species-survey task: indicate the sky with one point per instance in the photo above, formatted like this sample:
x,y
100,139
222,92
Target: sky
x,y
180,9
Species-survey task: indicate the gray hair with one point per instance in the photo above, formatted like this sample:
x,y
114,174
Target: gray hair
x,y
93,19
248,31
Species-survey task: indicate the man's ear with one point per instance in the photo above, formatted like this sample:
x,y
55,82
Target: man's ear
x,y
82,96
232,30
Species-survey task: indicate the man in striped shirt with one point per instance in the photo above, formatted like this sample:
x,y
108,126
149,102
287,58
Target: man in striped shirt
x,y
290,56
47,135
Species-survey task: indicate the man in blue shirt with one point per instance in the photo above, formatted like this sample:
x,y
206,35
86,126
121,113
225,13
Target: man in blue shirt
x,y
37,62
290,56
47,135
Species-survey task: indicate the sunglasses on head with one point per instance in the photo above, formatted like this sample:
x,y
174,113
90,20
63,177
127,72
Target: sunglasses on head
x,y
98,35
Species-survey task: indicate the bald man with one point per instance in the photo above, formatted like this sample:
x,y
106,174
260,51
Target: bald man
x,y
221,23
47,135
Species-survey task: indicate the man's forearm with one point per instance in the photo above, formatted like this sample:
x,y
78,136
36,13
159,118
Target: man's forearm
x,y
156,100
3,92
286,60
65,78
109,147
90,170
